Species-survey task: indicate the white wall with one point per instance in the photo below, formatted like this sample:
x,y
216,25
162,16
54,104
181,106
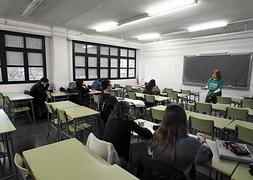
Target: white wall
x,y
59,52
163,61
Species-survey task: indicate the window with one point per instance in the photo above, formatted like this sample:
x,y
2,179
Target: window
x,y
22,57
92,61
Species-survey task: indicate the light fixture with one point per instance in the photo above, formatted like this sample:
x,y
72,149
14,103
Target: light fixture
x,y
106,26
208,25
148,36
169,7
34,4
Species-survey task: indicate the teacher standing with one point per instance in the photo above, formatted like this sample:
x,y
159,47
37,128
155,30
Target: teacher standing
x,y
214,86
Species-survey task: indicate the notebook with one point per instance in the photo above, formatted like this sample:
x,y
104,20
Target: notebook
x,y
225,153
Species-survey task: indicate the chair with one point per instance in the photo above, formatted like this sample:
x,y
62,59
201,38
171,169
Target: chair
x,y
96,99
129,88
157,114
204,108
132,95
116,85
237,113
224,100
52,120
168,90
71,125
173,96
244,134
247,103
150,100
104,149
14,109
49,97
202,125
19,163
3,106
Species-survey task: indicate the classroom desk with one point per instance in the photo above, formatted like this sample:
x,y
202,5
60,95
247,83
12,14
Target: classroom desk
x,y
69,159
58,95
223,107
232,125
157,98
136,103
94,92
63,104
219,123
242,173
21,97
223,166
6,128
75,113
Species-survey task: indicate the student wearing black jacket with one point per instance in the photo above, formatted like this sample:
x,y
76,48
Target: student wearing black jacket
x,y
38,91
118,129
83,92
107,100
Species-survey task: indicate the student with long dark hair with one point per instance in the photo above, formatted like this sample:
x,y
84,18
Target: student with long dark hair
x,y
151,88
83,92
172,145
214,86
118,129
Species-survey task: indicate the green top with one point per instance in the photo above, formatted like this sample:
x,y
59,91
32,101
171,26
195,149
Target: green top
x,y
214,84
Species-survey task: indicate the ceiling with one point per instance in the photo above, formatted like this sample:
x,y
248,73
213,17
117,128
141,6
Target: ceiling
x,y
82,15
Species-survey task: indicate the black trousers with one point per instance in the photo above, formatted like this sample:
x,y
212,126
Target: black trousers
x,y
212,97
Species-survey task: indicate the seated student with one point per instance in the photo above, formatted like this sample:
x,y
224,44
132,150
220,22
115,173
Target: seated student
x,y
38,91
172,145
118,129
107,100
96,85
83,92
151,88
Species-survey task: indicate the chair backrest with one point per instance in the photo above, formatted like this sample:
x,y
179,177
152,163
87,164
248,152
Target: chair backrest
x,y
185,91
237,113
204,108
202,125
149,98
104,149
247,103
157,114
131,95
245,134
49,97
224,100
173,96
19,163
168,90
96,98
62,116
129,88
116,85
50,108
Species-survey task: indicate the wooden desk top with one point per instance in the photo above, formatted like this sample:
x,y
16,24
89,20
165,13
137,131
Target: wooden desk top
x,y
6,125
63,104
79,112
69,159
18,96
242,173
232,125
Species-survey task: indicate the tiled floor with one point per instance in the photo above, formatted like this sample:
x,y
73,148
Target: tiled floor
x,y
28,136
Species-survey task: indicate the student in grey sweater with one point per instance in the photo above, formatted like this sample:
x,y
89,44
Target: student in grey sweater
x,y
172,145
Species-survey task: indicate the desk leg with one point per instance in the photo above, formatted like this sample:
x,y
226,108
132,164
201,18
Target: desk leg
x,y
32,111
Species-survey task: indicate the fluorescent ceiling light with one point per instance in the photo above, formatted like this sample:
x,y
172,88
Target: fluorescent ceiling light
x,y
208,25
168,7
148,36
31,7
106,26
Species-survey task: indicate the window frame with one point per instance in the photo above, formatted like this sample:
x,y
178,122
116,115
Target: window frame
x,y
99,55
25,51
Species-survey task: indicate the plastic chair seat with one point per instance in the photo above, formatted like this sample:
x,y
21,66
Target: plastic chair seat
x,y
79,127
21,109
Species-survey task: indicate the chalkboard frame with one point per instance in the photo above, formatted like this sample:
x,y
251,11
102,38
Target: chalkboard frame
x,y
186,82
